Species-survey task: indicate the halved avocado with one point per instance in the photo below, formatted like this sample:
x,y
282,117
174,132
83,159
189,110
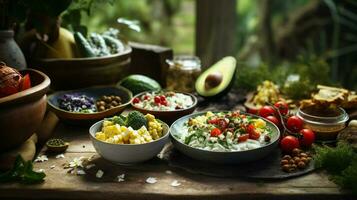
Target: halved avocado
x,y
217,79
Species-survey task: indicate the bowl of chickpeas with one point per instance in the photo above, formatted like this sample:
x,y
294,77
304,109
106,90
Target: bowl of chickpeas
x,y
130,139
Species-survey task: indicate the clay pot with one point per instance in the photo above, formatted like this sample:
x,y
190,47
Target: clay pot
x,y
10,52
22,113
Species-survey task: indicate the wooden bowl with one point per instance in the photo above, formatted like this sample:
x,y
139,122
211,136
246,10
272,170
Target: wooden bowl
x,y
22,113
96,93
78,73
168,116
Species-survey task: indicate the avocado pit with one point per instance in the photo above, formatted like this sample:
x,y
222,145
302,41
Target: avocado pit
x,y
213,80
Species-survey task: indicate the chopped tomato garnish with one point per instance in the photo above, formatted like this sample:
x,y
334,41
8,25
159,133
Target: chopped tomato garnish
x,y
253,133
216,132
243,137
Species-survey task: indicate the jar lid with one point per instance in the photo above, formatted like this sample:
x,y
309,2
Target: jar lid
x,y
185,62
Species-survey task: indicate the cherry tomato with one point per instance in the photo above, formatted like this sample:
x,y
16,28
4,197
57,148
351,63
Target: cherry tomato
x,y
253,134
146,97
308,137
216,132
26,82
164,103
288,143
136,100
274,120
243,137
282,107
266,111
162,98
157,99
294,124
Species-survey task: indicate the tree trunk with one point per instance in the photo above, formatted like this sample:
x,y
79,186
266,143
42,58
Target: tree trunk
x,y
216,22
267,46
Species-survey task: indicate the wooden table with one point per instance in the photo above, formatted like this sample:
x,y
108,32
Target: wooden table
x,y
61,185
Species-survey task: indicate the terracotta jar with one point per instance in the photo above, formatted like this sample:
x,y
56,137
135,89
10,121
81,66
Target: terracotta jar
x,y
10,52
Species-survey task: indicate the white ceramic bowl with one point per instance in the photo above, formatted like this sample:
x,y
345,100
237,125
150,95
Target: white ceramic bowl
x,y
125,154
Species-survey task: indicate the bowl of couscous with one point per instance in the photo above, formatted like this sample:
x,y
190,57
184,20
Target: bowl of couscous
x,y
129,139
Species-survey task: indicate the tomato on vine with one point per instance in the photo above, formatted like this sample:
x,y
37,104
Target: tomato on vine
x,y
266,111
282,107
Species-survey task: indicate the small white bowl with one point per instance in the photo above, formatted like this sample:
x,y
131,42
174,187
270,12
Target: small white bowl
x,y
124,154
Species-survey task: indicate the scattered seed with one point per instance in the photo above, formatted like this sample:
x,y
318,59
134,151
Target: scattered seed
x,y
90,166
121,178
81,172
99,174
41,158
40,170
60,156
175,183
151,180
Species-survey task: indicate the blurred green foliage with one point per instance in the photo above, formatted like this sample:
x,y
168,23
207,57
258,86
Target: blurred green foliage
x,y
169,22
172,23
309,71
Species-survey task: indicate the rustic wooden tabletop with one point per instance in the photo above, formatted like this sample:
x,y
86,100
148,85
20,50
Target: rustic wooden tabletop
x,y
59,184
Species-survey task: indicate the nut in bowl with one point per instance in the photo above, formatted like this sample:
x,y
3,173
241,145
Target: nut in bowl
x,y
128,140
165,105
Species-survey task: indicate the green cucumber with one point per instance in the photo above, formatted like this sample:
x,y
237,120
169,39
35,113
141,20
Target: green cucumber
x,y
99,44
115,45
83,45
139,83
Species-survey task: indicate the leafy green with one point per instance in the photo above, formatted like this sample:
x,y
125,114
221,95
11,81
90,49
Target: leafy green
x,y
197,133
340,162
119,120
22,172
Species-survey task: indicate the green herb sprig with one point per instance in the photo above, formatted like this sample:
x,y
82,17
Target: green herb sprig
x,y
22,172
340,162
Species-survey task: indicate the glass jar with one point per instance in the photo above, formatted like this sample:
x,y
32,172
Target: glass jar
x,y
325,122
182,73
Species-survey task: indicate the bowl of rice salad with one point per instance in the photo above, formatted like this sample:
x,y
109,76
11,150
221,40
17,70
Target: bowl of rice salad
x,y
224,137
165,105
